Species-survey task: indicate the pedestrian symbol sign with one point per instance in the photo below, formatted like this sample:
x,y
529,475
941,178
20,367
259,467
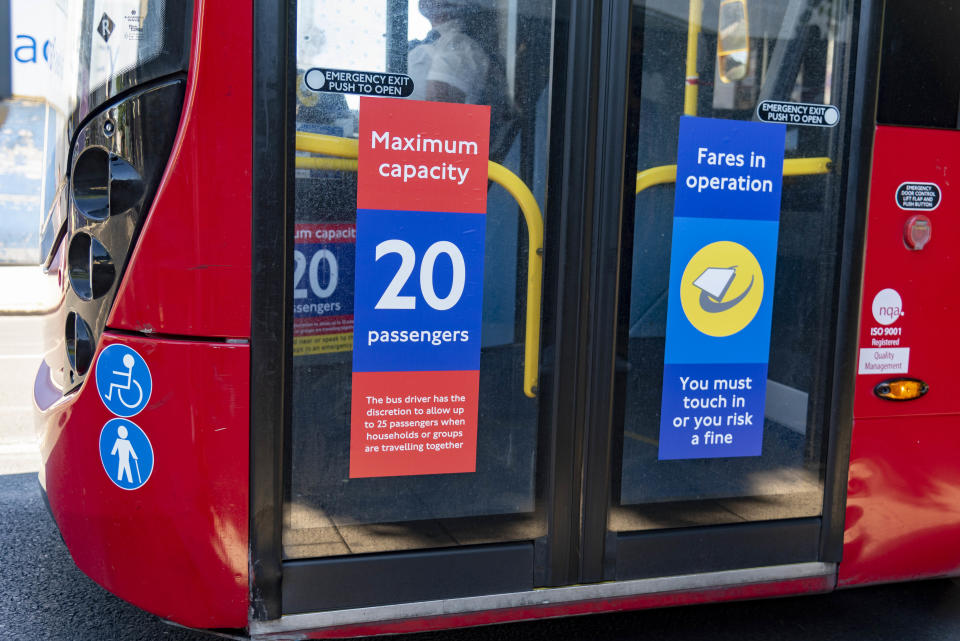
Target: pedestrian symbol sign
x,y
126,454
123,380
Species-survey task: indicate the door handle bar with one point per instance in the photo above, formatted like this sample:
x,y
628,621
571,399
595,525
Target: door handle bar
x,y
345,151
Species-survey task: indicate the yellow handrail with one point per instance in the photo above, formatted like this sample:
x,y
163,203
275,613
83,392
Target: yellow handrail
x,y
656,176
346,150
327,145
534,219
791,167
329,164
807,166
691,87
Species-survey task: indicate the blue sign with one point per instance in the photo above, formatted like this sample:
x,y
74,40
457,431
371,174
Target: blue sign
x,y
720,305
126,454
420,306
123,380
323,280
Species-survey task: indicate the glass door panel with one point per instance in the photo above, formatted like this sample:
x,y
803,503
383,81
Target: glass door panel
x,y
496,54
794,52
785,54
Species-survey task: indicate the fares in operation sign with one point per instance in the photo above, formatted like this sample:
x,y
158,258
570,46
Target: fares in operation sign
x,y
720,305
421,221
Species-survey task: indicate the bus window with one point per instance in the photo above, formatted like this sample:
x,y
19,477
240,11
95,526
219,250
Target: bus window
x,y
797,52
98,51
465,51
919,84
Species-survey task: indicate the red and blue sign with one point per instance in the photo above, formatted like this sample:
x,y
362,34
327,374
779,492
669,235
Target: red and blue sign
x,y
421,223
323,280
720,304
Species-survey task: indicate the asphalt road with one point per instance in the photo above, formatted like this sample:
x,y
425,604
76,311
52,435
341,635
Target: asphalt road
x,y
20,349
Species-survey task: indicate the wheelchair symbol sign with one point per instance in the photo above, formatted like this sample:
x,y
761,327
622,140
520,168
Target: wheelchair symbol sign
x,y
123,380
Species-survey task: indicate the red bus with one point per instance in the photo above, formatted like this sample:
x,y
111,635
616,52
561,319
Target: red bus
x,y
406,315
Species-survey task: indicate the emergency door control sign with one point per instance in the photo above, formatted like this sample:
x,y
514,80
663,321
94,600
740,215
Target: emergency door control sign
x,y
720,303
918,196
421,222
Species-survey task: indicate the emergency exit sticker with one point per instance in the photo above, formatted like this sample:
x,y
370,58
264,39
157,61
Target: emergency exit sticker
x,y
421,221
365,83
720,303
798,113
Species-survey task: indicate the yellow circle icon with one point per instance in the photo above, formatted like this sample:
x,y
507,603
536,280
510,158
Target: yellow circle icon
x,y
721,288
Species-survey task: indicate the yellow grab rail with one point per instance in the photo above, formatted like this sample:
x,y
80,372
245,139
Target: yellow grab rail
x,y
691,88
791,167
327,145
807,166
345,151
329,164
534,219
656,176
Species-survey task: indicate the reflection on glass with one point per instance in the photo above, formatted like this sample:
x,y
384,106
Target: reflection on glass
x,y
732,40
732,30
733,66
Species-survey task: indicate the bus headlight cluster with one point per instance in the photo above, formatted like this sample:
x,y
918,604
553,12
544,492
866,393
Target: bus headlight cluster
x,y
91,269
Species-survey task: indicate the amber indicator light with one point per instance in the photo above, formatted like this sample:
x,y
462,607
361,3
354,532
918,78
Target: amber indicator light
x,y
901,389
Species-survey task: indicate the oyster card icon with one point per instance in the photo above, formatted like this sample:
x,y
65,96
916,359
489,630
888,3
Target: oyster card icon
x,y
713,284
721,288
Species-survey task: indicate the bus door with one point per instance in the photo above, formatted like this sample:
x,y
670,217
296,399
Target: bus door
x,y
617,354
729,407
414,461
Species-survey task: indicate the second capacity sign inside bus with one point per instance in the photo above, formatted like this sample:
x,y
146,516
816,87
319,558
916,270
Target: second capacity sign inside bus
x,y
421,221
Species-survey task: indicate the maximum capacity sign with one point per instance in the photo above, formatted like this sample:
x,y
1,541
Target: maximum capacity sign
x,y
421,221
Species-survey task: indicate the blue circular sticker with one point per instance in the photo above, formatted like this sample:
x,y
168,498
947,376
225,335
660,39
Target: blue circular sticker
x,y
126,453
123,380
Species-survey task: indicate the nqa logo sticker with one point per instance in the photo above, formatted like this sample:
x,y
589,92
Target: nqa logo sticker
x,y
720,305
